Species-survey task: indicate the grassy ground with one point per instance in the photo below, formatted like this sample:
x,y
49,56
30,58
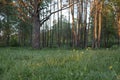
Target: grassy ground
x,y
46,64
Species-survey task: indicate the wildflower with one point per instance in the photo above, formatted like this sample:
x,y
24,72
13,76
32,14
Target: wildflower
x,y
38,64
87,49
118,77
110,67
107,48
82,52
73,50
20,78
77,51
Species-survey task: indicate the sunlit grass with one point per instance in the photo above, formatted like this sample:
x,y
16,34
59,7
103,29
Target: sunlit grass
x,y
51,64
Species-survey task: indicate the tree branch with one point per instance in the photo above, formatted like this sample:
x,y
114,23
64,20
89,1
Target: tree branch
x,y
26,6
63,8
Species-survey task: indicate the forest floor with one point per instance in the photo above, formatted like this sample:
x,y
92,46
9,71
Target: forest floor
x,y
59,64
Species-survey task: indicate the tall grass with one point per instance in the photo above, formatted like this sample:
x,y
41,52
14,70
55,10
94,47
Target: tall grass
x,y
46,64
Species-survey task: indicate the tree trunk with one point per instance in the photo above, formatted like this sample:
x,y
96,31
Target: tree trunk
x,y
74,37
58,33
94,45
79,15
19,36
85,24
7,39
36,33
118,24
100,22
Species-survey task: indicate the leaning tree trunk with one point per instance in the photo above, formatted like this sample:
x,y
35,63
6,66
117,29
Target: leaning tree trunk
x,y
36,32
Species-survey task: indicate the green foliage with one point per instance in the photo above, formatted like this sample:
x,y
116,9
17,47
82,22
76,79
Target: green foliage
x,y
114,47
109,29
8,21
14,41
63,29
24,32
50,64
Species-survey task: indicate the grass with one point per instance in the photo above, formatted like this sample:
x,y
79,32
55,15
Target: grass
x,y
51,64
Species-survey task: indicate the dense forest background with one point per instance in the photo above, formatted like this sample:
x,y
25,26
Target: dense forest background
x,y
60,23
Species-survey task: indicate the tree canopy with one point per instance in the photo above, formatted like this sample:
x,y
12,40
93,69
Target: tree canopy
x,y
94,23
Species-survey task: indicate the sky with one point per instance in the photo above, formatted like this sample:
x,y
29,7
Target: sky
x,y
64,12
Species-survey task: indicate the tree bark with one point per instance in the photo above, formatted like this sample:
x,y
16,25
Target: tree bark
x,y
100,22
36,33
74,37
85,24
79,22
118,24
94,45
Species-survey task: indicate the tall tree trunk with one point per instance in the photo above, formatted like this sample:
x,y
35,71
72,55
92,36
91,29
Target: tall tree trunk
x,y
79,16
74,37
36,26
61,25
43,33
58,31
94,45
7,31
19,36
85,24
118,26
7,39
100,23
36,32
82,28
70,39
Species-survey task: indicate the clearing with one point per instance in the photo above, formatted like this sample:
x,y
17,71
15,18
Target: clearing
x,y
59,64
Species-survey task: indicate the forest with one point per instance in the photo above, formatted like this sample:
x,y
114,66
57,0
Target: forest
x,y
59,39
60,23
